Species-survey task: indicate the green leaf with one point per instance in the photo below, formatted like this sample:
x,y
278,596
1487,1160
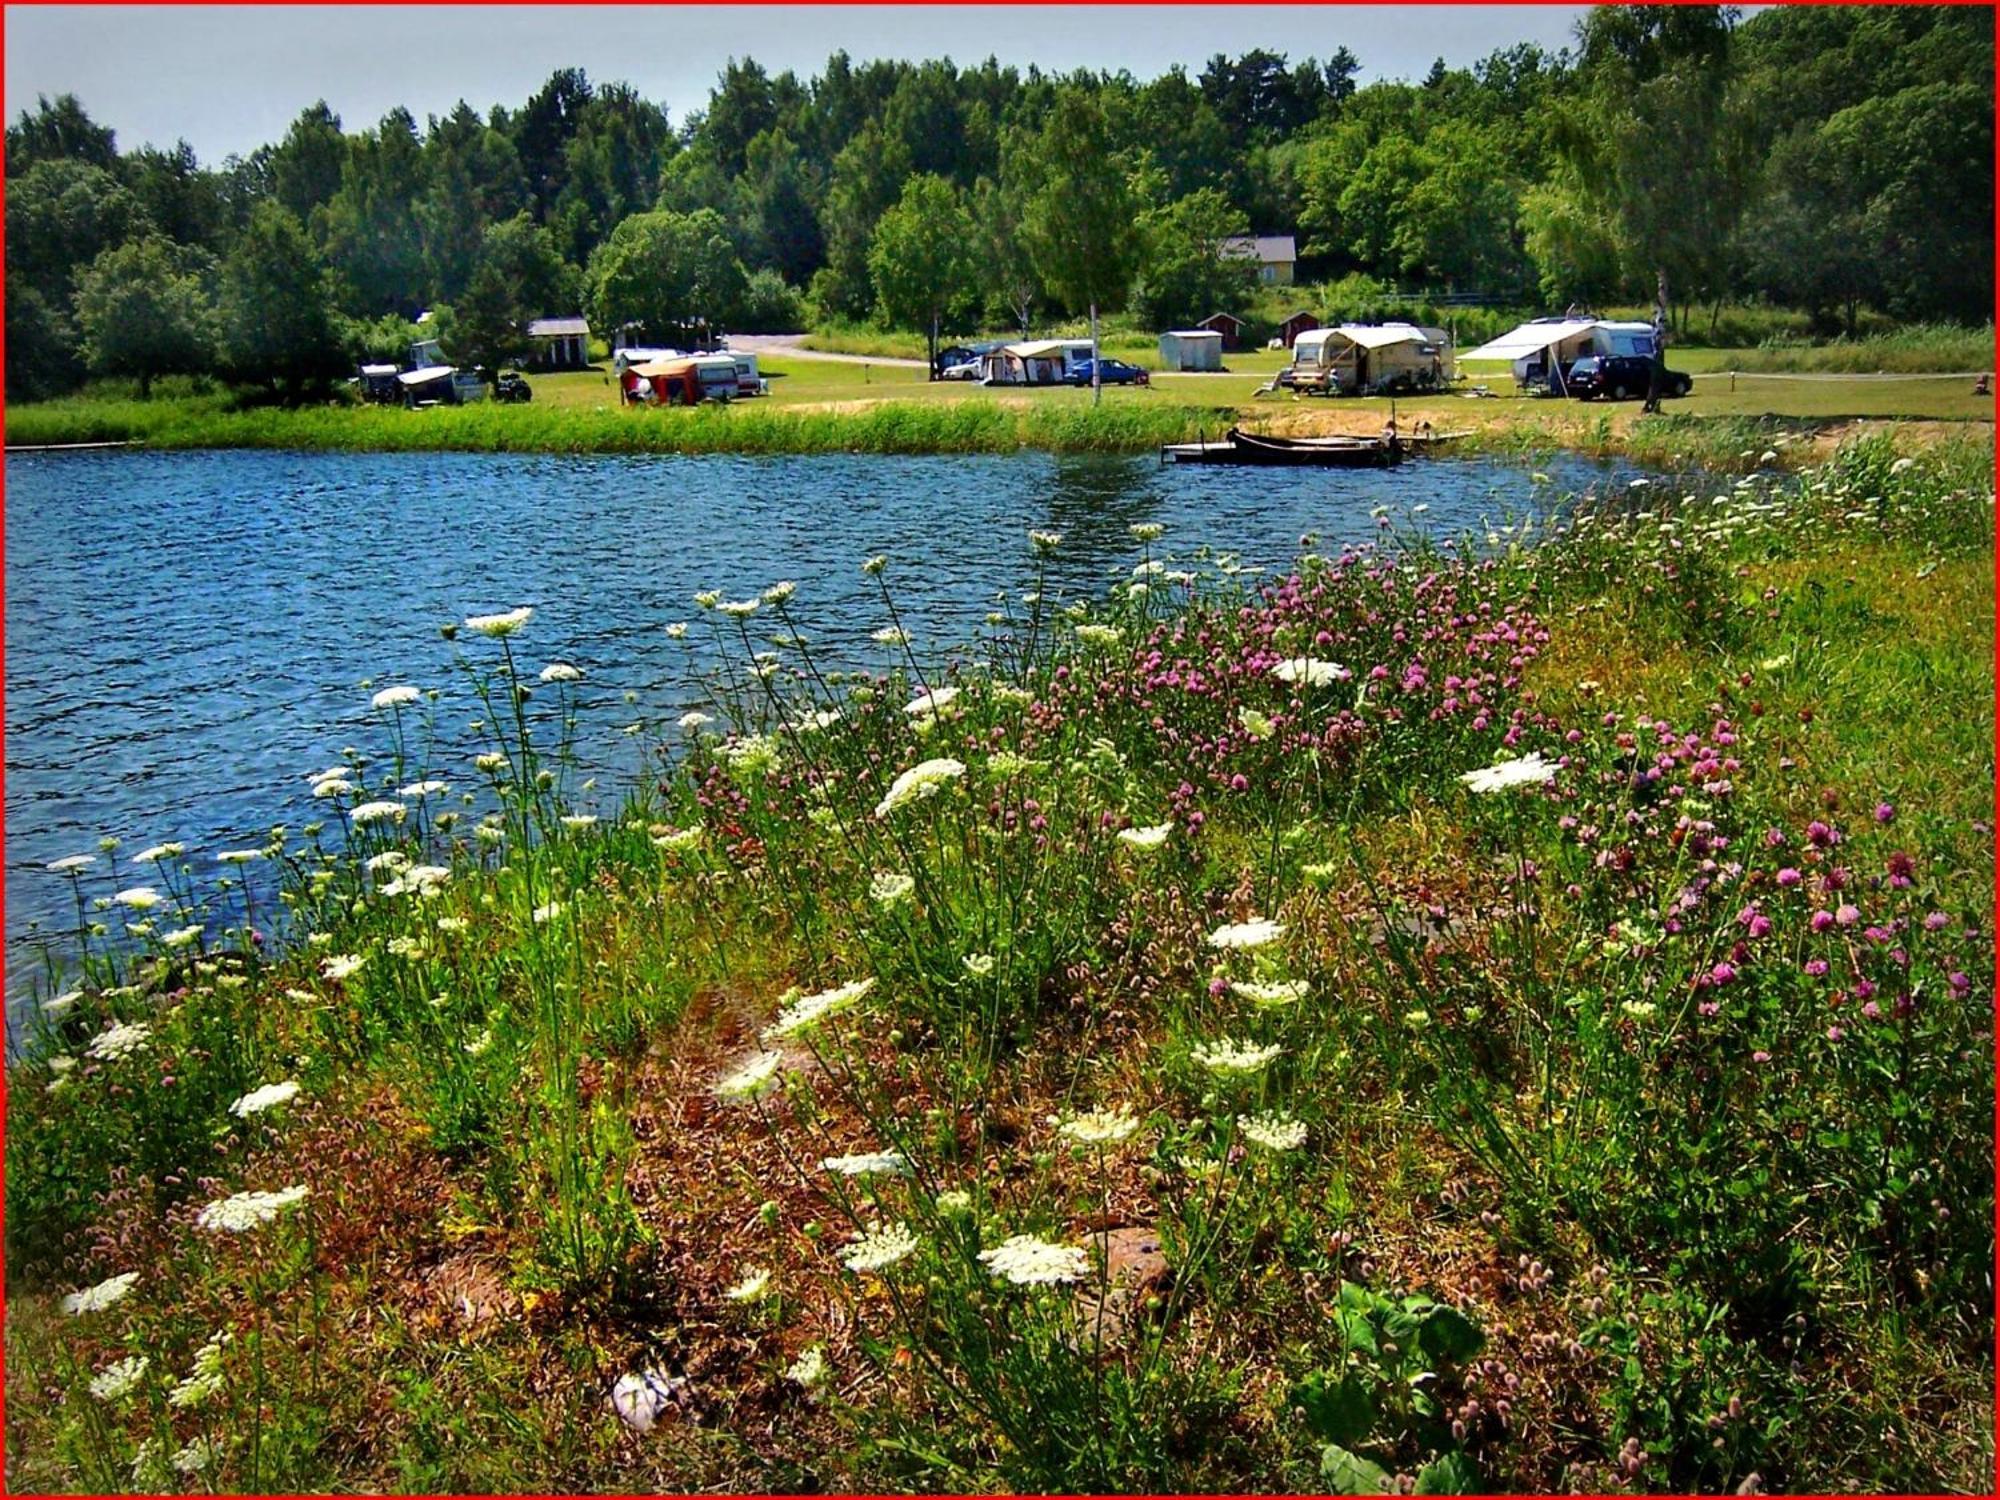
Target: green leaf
x,y
1355,1329
1449,1336
1448,1474
1349,1474
1339,1410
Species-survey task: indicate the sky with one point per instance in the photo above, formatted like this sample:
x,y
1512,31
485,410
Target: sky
x,y
231,78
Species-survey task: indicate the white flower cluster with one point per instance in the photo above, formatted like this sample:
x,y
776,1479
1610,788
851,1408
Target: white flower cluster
x,y
888,1163
1281,992
754,1078
880,1248
120,1040
120,1379
889,889
498,626
1255,933
1236,1059
1100,1127
1273,1132
395,697
925,779
206,1377
1146,839
242,1211
270,1096
1311,671
1526,770
1027,1261
810,1010
96,1298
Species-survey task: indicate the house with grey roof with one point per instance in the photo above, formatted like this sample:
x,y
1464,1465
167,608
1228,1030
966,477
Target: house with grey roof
x,y
1277,255
559,343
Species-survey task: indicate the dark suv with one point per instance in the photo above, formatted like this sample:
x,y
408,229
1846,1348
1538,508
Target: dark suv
x,y
1616,376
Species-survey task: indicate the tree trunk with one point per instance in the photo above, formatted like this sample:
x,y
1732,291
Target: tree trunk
x,y
1096,364
934,336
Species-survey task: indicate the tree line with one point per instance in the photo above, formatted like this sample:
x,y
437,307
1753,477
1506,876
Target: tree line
x,y
1830,159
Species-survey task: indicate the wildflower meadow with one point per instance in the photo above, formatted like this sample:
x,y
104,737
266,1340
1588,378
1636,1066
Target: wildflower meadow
x,y
1506,1012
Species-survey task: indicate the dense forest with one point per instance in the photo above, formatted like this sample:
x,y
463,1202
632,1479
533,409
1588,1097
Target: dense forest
x,y
1830,160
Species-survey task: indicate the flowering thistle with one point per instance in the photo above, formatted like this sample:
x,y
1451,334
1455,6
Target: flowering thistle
x,y
755,1078
1272,1131
269,1096
96,1298
1255,933
1526,770
242,1211
1027,1261
812,1009
1100,1127
879,1248
888,1163
497,627
392,697
925,779
1236,1059
119,1040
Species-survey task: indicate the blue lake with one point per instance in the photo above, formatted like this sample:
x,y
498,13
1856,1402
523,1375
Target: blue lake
x,y
187,633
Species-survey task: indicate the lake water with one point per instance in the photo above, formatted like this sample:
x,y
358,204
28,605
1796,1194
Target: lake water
x,y
186,633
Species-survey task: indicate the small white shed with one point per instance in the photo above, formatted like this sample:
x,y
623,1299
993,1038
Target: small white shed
x,y
1191,349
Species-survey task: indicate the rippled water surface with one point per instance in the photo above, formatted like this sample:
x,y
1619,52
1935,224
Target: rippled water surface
x,y
187,633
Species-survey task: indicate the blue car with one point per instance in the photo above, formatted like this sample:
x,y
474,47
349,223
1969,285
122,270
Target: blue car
x,y
1116,372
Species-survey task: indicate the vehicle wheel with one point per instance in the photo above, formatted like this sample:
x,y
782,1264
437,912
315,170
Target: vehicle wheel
x,y
1616,393
1683,386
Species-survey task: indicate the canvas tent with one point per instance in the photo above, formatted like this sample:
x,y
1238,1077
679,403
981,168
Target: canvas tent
x,y
1542,350
1360,358
1039,363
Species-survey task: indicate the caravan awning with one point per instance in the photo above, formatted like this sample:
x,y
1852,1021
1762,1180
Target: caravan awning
x,y
1046,349
1381,335
427,374
659,367
1530,338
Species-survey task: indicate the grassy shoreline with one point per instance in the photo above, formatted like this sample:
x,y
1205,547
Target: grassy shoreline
x,y
1628,1102
940,423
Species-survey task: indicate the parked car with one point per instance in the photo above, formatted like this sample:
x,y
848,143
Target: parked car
x,y
1617,376
1116,372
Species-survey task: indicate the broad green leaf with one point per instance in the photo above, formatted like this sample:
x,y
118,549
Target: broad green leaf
x,y
1448,1474
1339,1408
1349,1474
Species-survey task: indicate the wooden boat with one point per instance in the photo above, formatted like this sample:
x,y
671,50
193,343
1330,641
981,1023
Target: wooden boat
x,y
1335,452
1241,447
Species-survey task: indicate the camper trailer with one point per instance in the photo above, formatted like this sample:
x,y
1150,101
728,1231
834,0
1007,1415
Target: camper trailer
x,y
1365,359
1038,363
1541,352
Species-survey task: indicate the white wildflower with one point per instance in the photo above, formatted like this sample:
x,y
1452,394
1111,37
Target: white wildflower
x,y
1255,933
243,1211
181,937
196,1457
1236,1059
498,626
1145,838
1311,671
71,862
809,1369
238,856
978,965
1282,992
1257,725
561,671
739,609
338,966
96,1298
159,853
547,913
1027,1261
890,635
391,697
1098,635
270,1096
139,898
1100,1127
376,812
1272,1131
879,1248
426,788
754,1287
206,1377
578,820
120,1379
754,1078
926,779
118,1040
929,701
1526,770
1045,541
889,889
868,1163
812,1009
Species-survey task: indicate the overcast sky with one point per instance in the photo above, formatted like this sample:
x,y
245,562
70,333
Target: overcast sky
x,y
229,79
